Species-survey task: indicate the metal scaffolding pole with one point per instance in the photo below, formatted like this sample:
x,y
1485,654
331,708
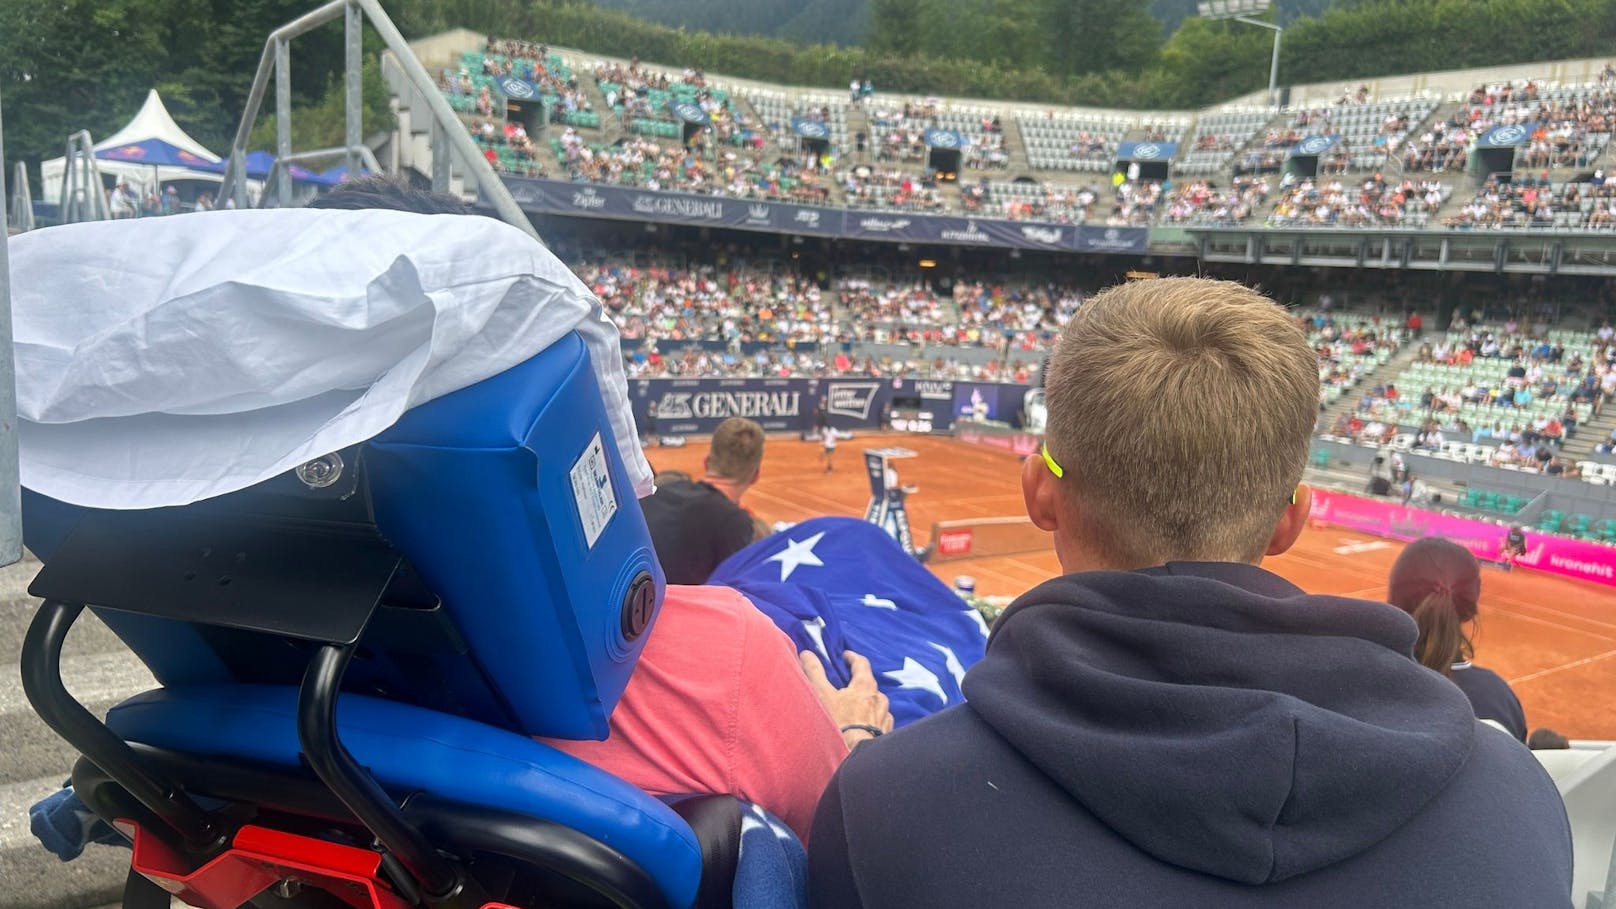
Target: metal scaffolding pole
x,y
10,490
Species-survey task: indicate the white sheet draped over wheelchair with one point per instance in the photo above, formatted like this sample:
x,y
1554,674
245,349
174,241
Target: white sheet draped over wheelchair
x,y
164,361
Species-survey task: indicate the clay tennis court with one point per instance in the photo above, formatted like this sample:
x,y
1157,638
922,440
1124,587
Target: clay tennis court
x,y
1553,639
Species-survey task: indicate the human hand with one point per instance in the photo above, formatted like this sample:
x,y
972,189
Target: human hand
x,y
861,703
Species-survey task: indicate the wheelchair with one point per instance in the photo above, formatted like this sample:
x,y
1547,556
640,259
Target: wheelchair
x,y
355,658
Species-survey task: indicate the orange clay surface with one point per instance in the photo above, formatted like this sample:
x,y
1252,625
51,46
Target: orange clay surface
x,y
1553,639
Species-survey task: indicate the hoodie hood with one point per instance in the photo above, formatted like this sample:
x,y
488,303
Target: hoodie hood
x,y
1220,719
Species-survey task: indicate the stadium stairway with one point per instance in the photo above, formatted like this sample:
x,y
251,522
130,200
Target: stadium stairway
x,y
1388,370
1589,435
858,121
1015,147
611,125
100,672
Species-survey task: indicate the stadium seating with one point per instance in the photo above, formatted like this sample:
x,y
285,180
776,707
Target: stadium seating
x,y
778,109
1026,200
1368,131
1216,139
1201,202
1085,144
1374,202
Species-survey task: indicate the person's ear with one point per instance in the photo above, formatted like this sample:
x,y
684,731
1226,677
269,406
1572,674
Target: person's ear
x,y
1292,521
707,464
1041,492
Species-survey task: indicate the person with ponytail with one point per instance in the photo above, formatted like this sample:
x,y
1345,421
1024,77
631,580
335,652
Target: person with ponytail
x,y
1439,584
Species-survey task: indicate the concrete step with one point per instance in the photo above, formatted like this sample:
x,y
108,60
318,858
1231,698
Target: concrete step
x,y
100,672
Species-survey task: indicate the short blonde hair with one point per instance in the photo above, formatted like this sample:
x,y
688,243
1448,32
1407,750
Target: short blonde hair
x,y
736,452
1181,411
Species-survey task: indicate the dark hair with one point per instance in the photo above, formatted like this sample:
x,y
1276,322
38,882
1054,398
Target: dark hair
x,y
1546,740
1438,583
389,194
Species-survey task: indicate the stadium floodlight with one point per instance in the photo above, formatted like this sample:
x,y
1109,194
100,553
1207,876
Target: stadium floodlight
x,y
1242,11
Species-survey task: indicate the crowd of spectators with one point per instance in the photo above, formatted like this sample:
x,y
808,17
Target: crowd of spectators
x,y
1202,202
1516,418
759,320
1030,201
1376,202
890,188
1535,201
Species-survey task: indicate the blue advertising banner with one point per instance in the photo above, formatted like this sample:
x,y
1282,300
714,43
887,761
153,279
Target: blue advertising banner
x,y
851,403
688,111
619,202
1147,151
591,200
903,227
1313,146
697,406
516,89
1506,136
1130,240
811,129
945,139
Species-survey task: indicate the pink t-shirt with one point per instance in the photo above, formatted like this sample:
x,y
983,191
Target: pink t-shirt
x,y
718,704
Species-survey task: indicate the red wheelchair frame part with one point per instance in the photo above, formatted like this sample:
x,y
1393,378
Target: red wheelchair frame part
x,y
258,857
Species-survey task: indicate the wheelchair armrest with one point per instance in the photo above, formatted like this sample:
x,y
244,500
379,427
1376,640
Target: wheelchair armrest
x,y
716,821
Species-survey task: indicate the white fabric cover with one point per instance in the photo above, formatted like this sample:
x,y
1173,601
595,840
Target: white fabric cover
x,y
162,361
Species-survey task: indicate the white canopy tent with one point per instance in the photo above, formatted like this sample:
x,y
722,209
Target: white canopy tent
x,y
152,122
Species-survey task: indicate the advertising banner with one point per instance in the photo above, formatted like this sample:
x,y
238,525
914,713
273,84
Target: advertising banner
x,y
1147,151
1313,146
1545,552
697,406
623,203
1507,136
589,200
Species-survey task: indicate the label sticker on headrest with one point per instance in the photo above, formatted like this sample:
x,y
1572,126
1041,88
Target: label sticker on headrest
x,y
592,490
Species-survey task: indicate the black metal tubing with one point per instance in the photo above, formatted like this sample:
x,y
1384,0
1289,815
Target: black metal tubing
x,y
42,683
358,790
544,844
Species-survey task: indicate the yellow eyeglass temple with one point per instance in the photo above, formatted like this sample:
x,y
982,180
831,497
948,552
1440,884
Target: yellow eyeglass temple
x,y
1054,468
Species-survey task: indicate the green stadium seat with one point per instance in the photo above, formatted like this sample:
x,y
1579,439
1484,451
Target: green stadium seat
x,y
1550,522
1472,498
1320,458
1489,501
1512,504
1578,526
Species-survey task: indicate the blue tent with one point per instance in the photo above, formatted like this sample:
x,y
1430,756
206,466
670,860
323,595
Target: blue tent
x,y
258,165
156,153
336,175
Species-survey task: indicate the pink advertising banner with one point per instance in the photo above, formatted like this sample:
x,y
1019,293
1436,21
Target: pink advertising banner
x,y
1544,552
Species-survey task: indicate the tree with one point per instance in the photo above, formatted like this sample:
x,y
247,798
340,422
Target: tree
x,y
1092,36
895,26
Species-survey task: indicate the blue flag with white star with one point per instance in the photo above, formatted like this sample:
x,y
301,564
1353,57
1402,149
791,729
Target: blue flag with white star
x,y
835,584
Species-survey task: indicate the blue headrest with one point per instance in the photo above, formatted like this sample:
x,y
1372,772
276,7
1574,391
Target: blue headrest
x,y
511,500
512,503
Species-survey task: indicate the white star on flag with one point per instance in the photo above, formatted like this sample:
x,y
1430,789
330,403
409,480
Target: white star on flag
x,y
797,552
981,623
871,599
914,675
816,630
951,661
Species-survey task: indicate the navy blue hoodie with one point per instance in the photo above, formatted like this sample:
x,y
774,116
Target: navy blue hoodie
x,y
1195,735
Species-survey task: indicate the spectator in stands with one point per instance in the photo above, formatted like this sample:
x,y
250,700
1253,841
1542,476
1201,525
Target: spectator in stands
x,y
1438,582
1169,724
696,524
718,702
